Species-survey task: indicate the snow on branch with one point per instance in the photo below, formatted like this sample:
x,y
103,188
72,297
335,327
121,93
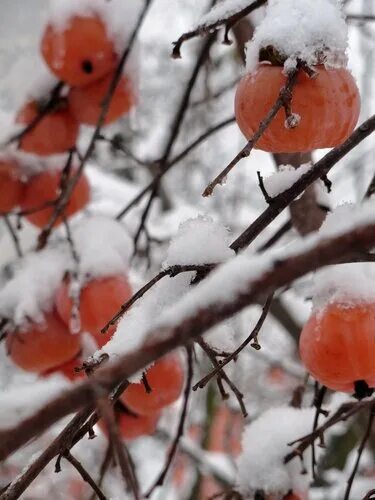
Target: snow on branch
x,y
37,394
191,317
227,14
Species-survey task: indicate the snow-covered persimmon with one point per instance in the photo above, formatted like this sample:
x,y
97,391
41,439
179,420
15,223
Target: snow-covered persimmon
x,y
328,106
54,133
68,369
79,53
41,347
86,102
166,381
11,186
337,346
134,426
44,188
99,301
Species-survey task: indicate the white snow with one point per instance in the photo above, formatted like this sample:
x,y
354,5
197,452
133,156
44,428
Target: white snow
x,y
20,402
221,338
307,30
31,290
199,241
103,245
222,10
264,445
132,329
235,276
347,284
118,15
284,179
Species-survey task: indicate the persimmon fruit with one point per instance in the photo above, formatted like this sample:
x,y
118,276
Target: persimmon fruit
x,y
68,369
337,346
166,381
328,106
11,186
79,53
100,300
134,426
86,102
42,347
56,132
44,188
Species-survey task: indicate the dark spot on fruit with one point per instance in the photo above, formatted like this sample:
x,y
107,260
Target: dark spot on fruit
x,y
87,66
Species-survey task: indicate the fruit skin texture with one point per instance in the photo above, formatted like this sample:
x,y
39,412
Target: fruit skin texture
x,y
43,347
166,379
11,187
132,427
67,370
328,105
86,102
81,53
100,300
56,132
337,346
44,187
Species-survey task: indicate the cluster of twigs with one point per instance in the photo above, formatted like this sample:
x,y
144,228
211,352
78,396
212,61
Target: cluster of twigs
x,y
94,398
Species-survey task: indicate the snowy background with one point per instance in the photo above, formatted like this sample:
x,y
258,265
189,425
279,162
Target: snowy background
x,y
116,179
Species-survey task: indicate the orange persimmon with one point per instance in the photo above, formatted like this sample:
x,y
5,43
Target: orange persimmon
x,y
44,188
55,133
134,426
100,300
328,106
86,102
11,186
80,53
337,346
68,369
166,380
43,346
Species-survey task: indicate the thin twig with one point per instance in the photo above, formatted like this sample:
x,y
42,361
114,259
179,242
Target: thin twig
x,y
318,402
361,448
119,447
85,475
283,200
44,110
164,338
228,22
284,97
171,272
180,430
175,131
254,334
66,194
14,236
222,375
174,161
104,467
345,411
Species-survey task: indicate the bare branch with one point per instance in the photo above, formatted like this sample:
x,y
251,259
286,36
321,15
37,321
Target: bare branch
x,y
228,22
180,430
284,97
85,475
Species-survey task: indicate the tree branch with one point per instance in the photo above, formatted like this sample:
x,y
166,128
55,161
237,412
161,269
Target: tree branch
x,y
164,339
